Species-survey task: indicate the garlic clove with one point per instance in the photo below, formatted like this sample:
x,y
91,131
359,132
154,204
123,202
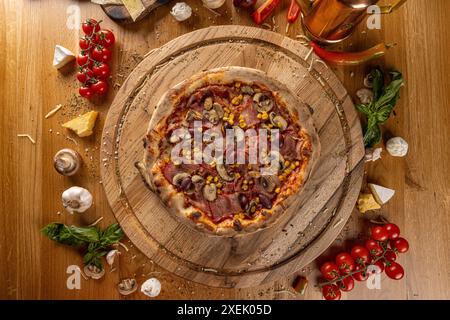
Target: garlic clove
x,y
67,162
76,199
151,287
373,154
111,256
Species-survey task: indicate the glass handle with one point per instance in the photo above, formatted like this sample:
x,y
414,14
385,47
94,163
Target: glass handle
x,y
392,7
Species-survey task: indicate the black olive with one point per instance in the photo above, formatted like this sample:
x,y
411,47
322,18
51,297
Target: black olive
x,y
243,201
186,183
265,201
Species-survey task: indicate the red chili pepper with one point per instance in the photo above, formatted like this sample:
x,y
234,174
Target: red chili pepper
x,y
265,10
293,11
351,58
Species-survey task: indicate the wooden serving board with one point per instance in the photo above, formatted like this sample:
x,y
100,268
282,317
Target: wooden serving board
x,y
304,231
120,14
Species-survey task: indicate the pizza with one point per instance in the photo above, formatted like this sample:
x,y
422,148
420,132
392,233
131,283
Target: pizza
x,y
256,150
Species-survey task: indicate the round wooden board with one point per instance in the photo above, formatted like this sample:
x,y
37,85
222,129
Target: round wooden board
x,y
305,230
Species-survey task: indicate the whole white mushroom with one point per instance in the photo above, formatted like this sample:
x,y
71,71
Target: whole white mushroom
x,y
397,147
151,287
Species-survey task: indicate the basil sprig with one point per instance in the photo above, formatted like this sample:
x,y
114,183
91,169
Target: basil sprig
x,y
93,239
384,101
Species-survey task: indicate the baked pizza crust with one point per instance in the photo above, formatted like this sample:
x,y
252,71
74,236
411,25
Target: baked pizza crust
x,y
173,199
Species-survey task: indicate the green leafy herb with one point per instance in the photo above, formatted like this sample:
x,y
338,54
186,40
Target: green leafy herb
x,y
93,239
384,101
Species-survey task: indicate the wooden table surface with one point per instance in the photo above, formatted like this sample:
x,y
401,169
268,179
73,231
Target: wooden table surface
x,y
33,267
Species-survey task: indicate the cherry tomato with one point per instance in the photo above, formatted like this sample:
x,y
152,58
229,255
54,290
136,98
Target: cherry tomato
x,y
395,271
393,230
379,233
246,4
106,38
374,248
399,245
84,43
100,87
376,267
345,262
331,292
101,54
390,256
360,254
361,275
85,92
82,59
101,70
329,271
347,284
84,75
88,26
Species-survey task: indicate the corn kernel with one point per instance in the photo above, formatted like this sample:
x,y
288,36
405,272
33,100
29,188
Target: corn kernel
x,y
257,199
265,116
219,185
287,163
209,178
216,179
219,191
236,100
259,116
237,84
297,163
277,190
244,187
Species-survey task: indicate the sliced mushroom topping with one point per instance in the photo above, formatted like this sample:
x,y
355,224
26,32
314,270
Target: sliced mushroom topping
x,y
127,286
223,172
197,179
193,115
263,102
210,192
265,201
208,104
179,177
269,183
276,162
278,121
218,109
93,272
247,90
212,116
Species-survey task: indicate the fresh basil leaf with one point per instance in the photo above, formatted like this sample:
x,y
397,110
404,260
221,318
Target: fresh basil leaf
x,y
390,95
111,235
377,83
364,108
372,132
94,258
63,234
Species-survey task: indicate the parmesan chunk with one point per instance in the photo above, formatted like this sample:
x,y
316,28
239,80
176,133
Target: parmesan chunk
x,y
367,202
82,125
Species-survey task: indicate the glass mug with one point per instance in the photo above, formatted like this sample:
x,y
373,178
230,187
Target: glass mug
x,y
331,21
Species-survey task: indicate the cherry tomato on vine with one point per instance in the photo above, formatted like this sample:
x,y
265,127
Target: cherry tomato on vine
x,y
84,43
329,270
84,75
390,256
361,275
393,230
100,87
345,262
379,233
101,70
360,254
82,59
374,248
88,26
394,271
85,92
331,292
399,245
100,53
347,284
376,267
106,38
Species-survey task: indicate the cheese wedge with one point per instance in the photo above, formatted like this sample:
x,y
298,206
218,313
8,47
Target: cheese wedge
x,y
62,56
367,202
82,125
134,7
381,194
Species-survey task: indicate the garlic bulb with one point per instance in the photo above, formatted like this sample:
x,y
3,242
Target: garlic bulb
x,y
151,287
181,11
76,199
397,147
213,4
67,162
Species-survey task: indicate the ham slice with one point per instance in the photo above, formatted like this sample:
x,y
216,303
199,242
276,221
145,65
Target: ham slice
x,y
249,113
169,171
224,205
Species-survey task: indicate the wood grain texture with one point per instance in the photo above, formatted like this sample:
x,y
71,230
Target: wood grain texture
x,y
302,232
33,267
